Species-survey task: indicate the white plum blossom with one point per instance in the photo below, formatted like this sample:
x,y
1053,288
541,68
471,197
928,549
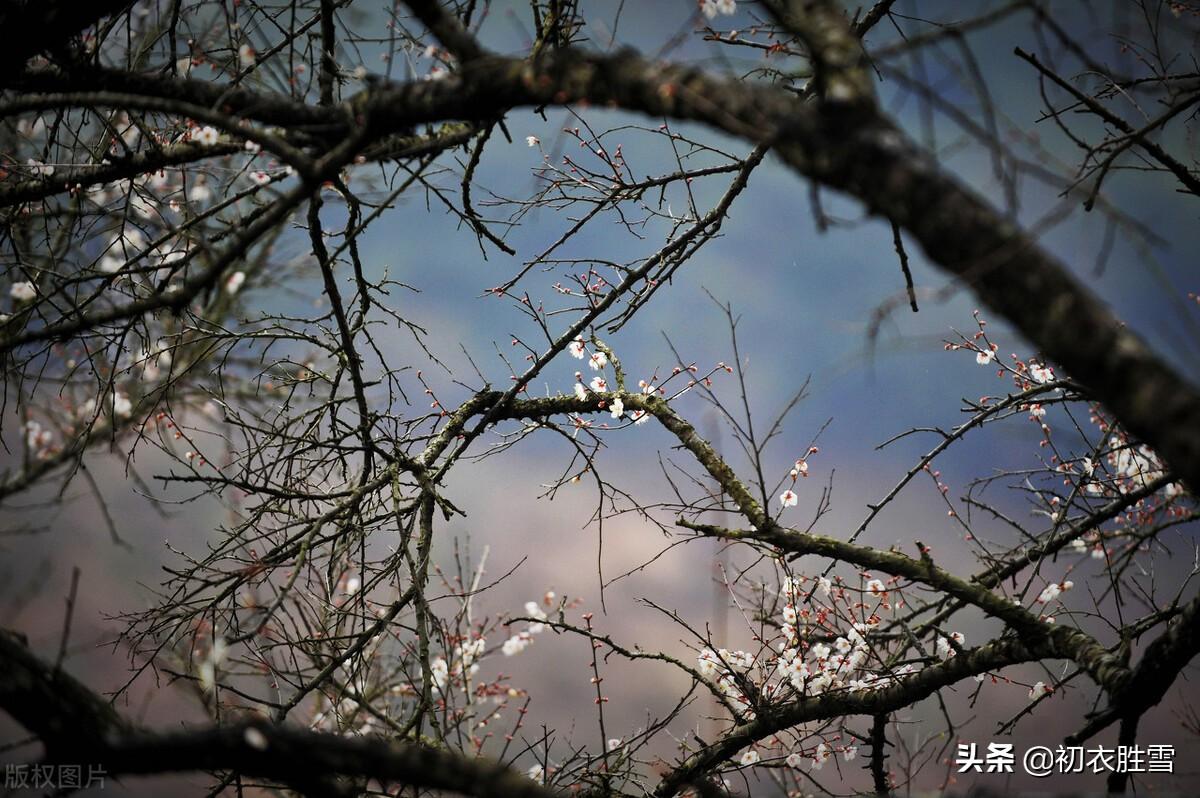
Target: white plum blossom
x,y
580,391
598,384
534,611
598,360
37,438
944,649
794,760
751,757
576,349
1040,373
122,407
985,356
1038,690
616,408
246,55
199,192
234,282
876,586
708,663
789,498
516,644
31,128
711,8
23,291
206,136
211,662
110,263
825,585
737,659
820,756
532,141
439,673
39,169
850,752
1050,593
614,743
537,773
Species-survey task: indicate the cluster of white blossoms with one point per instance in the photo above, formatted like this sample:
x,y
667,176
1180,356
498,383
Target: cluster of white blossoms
x,y
120,405
39,440
23,291
719,667
210,662
711,8
945,644
520,641
1120,466
1137,464
817,758
835,661
153,360
462,665
1054,590
799,470
597,361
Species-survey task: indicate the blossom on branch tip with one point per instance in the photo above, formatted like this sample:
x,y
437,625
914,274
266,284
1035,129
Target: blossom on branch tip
x,y
789,498
23,291
1050,593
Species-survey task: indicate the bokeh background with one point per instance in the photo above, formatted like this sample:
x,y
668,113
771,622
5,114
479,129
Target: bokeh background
x,y
807,302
